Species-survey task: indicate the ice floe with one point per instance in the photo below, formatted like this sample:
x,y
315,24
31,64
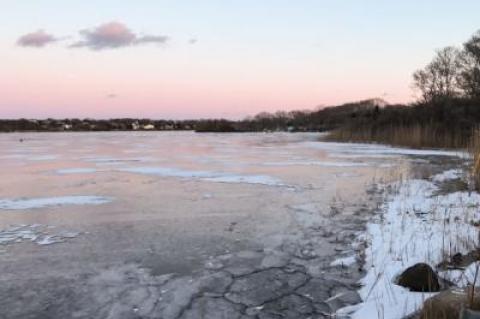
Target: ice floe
x,y
41,202
115,160
415,225
38,234
78,170
207,176
246,179
376,150
317,163
42,158
169,172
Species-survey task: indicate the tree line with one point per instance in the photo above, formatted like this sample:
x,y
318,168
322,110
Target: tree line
x,y
453,72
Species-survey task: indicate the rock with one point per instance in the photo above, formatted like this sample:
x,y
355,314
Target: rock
x,y
448,305
420,277
457,259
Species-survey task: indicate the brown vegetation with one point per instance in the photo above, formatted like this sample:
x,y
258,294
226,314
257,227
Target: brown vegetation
x,y
414,136
474,149
444,117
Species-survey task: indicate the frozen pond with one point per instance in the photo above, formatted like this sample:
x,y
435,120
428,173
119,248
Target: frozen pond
x,y
184,225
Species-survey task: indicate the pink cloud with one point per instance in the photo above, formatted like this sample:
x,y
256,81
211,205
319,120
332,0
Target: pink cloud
x,y
114,35
36,39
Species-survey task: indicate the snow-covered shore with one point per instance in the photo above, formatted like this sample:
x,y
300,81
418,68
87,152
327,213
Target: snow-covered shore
x,y
417,224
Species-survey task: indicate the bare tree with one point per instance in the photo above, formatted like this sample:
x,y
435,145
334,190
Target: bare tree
x,y
469,64
424,82
439,78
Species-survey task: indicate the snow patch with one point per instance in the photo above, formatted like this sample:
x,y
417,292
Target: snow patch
x,y
317,163
114,160
79,170
41,202
38,234
415,226
448,175
345,261
246,179
208,176
463,277
42,158
376,150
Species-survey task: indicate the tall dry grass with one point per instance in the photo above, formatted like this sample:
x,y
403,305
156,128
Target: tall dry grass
x,y
474,148
414,136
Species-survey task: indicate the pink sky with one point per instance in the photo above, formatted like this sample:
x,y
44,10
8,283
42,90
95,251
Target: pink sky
x,y
216,59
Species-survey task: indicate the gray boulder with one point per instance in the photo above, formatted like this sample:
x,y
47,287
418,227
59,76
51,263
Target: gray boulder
x,y
420,277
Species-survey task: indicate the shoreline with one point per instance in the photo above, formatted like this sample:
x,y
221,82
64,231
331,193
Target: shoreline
x,y
399,238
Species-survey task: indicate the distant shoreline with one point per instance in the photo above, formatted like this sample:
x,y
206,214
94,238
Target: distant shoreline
x,y
146,125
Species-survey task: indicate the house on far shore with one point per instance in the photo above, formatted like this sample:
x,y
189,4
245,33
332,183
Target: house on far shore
x,y
135,126
149,127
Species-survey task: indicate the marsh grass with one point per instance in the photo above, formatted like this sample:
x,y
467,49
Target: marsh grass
x,y
414,136
474,149
444,221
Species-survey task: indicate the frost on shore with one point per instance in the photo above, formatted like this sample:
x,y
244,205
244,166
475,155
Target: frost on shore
x,y
416,225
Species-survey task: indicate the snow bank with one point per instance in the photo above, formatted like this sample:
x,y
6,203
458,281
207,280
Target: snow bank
x,y
415,226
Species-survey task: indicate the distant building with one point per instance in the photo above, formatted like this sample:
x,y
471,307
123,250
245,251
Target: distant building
x,y
135,126
149,127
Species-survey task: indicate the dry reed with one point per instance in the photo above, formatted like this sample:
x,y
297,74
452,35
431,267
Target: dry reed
x,y
414,136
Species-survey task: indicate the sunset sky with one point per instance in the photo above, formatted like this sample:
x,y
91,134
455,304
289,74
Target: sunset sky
x,y
216,58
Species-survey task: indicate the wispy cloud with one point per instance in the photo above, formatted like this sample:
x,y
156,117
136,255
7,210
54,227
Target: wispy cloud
x,y
114,35
37,39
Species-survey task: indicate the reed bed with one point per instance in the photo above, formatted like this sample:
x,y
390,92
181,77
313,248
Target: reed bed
x,y
474,149
414,136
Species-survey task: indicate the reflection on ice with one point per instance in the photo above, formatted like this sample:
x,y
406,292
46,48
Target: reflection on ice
x,y
31,203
